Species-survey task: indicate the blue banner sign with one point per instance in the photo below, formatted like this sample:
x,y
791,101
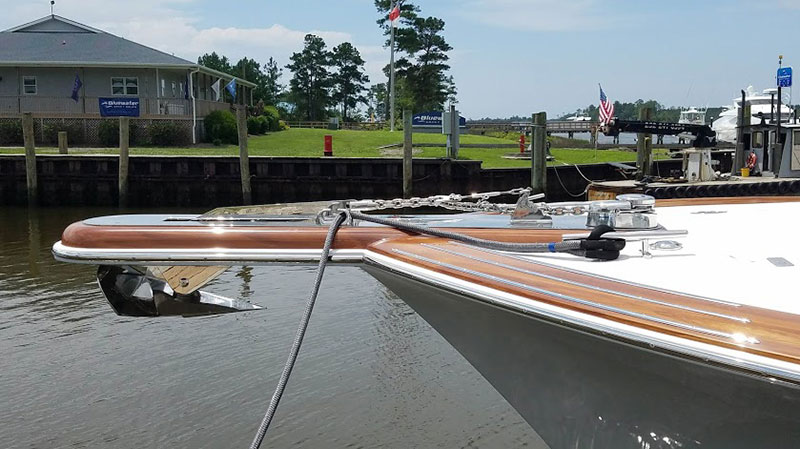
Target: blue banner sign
x,y
119,107
433,119
785,77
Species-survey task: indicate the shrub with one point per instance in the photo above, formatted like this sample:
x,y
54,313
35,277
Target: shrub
x,y
217,142
221,125
273,117
165,133
282,126
263,122
74,131
254,126
108,134
11,132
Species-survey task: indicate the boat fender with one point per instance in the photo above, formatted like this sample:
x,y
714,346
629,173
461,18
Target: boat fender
x,y
795,187
598,247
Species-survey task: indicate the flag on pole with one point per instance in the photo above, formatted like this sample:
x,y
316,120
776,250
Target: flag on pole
x,y
606,108
231,87
215,89
394,15
76,87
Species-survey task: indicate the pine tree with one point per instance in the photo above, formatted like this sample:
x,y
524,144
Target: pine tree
x,y
421,70
311,83
349,78
273,90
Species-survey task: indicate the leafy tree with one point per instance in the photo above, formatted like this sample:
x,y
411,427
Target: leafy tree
x,y
272,87
215,62
311,84
349,79
421,71
378,101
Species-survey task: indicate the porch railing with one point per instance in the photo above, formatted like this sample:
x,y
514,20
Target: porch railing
x,y
61,106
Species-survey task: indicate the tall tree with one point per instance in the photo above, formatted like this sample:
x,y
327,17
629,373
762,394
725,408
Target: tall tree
x,y
272,87
422,79
310,85
215,62
349,78
250,70
378,101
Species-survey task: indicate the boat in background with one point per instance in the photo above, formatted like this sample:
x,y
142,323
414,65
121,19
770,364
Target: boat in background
x,y
617,324
762,106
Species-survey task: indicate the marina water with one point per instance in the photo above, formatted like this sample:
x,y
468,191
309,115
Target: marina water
x,y
371,373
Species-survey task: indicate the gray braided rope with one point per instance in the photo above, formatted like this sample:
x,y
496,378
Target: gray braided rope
x,y
298,339
568,246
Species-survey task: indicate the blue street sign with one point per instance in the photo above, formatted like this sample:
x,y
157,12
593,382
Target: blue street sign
x,y
119,107
785,77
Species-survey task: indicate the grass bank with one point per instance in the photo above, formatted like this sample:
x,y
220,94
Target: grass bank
x,y
346,143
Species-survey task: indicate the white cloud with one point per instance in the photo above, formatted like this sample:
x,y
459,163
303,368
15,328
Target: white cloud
x,y
541,15
167,26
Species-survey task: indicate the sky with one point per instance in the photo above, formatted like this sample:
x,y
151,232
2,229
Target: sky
x,y
509,57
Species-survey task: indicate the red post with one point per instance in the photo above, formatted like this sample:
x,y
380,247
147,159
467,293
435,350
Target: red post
x,y
328,145
522,143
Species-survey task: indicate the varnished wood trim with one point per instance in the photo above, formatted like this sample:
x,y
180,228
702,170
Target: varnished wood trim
x,y
778,333
726,200
83,236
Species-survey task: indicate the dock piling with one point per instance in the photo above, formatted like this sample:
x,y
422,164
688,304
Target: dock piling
x,y
408,155
30,158
124,141
539,153
244,157
644,147
62,142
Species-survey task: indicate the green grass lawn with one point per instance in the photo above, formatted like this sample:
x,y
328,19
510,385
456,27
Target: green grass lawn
x,y
309,142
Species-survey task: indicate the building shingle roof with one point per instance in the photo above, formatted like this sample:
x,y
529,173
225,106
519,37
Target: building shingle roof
x,y
54,40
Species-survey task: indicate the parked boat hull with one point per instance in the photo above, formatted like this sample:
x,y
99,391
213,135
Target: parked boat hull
x,y
581,389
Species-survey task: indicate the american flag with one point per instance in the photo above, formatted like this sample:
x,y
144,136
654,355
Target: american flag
x,y
606,108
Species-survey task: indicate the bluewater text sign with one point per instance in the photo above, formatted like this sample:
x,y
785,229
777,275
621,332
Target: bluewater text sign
x,y
433,119
119,107
785,77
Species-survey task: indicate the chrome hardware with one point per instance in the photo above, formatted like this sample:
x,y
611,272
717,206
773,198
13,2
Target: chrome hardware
x,y
629,211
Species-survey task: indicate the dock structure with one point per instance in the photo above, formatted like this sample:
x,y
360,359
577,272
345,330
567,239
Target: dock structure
x,y
569,127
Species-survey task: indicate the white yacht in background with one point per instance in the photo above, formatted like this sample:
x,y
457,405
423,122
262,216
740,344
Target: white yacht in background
x,y
760,106
692,116
579,118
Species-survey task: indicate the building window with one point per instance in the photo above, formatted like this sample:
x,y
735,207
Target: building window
x,y
124,86
29,85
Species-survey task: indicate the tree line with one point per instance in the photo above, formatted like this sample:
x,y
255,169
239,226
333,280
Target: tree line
x,y
630,111
333,82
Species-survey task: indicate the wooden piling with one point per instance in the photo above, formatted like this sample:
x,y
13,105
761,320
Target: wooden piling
x,y
408,155
30,158
62,142
644,147
244,157
539,153
124,140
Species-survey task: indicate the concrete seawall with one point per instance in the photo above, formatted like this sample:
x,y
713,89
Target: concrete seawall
x,y
210,181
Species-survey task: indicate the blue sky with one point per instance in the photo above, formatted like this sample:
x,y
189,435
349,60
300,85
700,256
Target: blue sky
x,y
510,56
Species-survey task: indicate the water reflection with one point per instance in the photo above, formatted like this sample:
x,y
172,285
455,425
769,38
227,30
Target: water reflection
x,y
371,373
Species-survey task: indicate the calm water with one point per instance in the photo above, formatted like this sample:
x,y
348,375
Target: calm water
x,y
371,373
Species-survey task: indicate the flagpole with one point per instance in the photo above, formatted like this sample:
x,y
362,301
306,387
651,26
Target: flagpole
x,y
391,71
